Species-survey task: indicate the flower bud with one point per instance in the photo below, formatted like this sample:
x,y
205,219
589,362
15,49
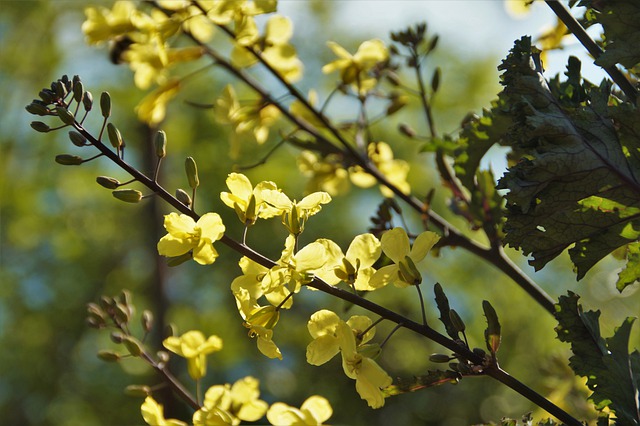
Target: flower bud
x,y
122,313
108,182
179,260
77,139
133,345
37,108
163,356
117,337
87,101
406,130
114,136
95,322
59,88
442,358
105,104
39,126
147,321
128,195
47,96
78,91
65,115
138,390
66,82
183,197
161,144
109,356
69,160
192,172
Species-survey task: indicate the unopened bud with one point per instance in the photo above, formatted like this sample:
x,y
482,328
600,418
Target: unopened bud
x,y
133,345
78,91
109,356
47,96
87,101
95,322
37,108
406,130
69,160
114,136
137,390
65,115
183,197
39,126
147,321
161,144
108,182
122,313
105,104
442,358
163,356
77,139
67,83
192,172
117,337
59,88
179,260
128,195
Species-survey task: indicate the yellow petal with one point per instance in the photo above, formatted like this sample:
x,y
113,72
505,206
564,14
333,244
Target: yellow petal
x,y
323,322
279,30
422,244
171,246
204,253
395,244
318,408
366,248
370,379
179,225
322,349
211,227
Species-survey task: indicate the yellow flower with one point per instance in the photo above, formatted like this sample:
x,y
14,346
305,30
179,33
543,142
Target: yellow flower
x,y
314,411
396,245
395,171
294,213
246,200
260,321
518,8
153,108
356,267
103,24
356,69
332,335
153,414
327,173
194,347
185,234
225,404
256,118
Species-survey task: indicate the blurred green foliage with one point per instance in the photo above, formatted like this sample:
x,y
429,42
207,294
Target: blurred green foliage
x,y
64,241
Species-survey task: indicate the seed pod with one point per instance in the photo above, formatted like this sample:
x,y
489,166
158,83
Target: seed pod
x,y
36,108
105,104
128,195
77,139
114,136
108,182
39,126
87,101
192,172
65,115
109,356
69,160
183,197
161,144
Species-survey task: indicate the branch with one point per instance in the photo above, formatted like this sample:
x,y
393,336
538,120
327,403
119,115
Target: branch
x,y
422,329
580,33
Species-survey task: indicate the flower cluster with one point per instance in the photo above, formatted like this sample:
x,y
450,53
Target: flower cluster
x,y
349,338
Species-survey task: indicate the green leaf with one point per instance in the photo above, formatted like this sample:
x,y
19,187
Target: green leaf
x,y
432,378
620,21
612,373
445,317
493,330
631,273
577,182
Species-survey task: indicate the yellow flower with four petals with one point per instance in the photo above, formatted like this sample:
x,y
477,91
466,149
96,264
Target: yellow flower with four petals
x,y
185,235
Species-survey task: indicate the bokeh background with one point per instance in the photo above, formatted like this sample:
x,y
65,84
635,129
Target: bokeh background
x,y
65,241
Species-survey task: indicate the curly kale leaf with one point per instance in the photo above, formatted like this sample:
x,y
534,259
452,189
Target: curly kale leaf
x,y
577,184
613,374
